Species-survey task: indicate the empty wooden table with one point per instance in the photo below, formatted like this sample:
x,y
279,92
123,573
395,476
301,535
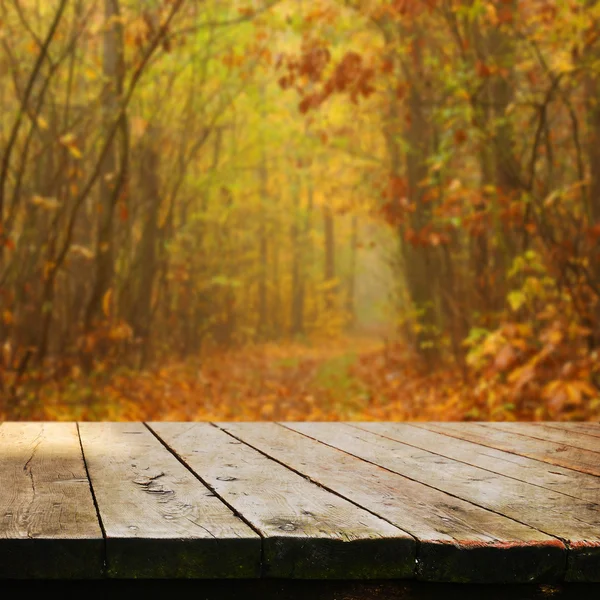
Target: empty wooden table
x,y
438,502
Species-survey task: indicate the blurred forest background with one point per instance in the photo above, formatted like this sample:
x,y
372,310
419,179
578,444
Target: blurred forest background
x,y
319,209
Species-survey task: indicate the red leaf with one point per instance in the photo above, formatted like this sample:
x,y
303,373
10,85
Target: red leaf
x,y
482,69
460,136
505,358
387,66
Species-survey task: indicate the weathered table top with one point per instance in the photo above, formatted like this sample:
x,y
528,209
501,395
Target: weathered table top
x,y
466,502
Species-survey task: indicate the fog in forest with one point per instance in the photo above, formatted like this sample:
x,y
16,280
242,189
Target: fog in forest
x,y
310,210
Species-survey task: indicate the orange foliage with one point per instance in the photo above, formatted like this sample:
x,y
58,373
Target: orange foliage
x,y
286,382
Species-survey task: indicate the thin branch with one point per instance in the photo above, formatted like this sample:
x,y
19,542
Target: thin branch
x,y
112,132
24,102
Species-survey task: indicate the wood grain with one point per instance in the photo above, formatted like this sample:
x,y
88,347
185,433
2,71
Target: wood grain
x,y
588,427
433,501
542,431
576,522
48,523
558,479
307,531
458,541
160,521
543,450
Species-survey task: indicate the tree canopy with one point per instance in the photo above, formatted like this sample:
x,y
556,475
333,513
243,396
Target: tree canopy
x,y
179,179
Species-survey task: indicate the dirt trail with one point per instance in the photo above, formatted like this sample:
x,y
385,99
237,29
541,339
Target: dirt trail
x,y
263,382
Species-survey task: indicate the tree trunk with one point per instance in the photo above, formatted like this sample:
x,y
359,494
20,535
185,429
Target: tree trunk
x,y
329,264
146,263
297,312
111,181
262,326
351,286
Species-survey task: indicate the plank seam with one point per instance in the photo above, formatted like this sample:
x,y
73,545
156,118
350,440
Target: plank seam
x,y
95,501
554,491
547,462
456,435
541,439
563,541
174,453
552,425
567,543
324,487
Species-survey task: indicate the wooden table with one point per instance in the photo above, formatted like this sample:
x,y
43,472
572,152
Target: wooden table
x,y
434,502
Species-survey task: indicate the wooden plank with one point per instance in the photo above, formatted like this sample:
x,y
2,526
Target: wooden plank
x,y
549,452
431,436
48,523
457,540
541,431
307,531
160,521
571,520
588,427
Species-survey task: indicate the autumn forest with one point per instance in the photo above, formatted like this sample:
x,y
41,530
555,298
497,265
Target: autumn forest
x,y
300,209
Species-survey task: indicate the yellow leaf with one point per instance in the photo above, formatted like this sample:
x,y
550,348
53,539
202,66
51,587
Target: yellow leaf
x,y
138,127
455,185
67,139
555,337
82,251
70,143
522,375
106,302
46,203
121,332
492,15
587,388
573,392
74,151
516,299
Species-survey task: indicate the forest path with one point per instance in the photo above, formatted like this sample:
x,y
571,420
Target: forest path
x,y
349,378
331,379
283,381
